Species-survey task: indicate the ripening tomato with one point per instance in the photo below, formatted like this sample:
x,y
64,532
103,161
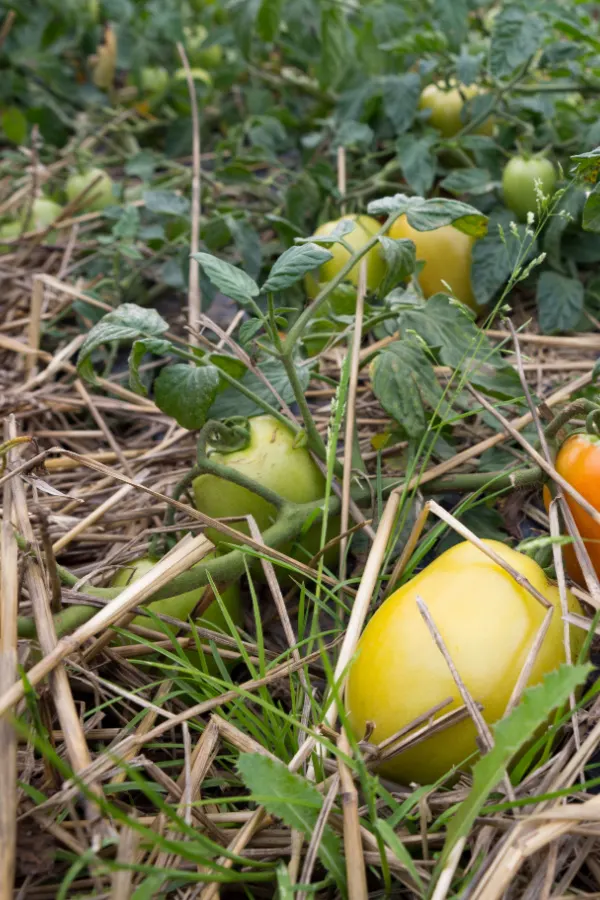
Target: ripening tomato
x,y
578,461
182,605
447,255
519,183
272,460
447,108
365,227
488,624
98,197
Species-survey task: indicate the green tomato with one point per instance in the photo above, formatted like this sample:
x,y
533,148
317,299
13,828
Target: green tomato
x,y
519,183
154,79
9,230
446,108
43,213
272,460
99,197
364,229
182,605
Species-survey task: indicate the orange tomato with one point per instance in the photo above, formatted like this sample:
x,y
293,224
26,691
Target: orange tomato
x,y
578,461
446,252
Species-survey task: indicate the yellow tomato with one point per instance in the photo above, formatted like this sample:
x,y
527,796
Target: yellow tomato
x,y
488,624
446,252
364,229
446,107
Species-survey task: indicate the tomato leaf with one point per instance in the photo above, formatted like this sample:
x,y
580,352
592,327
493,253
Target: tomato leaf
x,y
296,801
587,165
400,99
139,349
495,255
294,264
404,383
560,302
127,323
231,281
401,259
231,402
469,181
417,161
453,18
591,211
335,52
166,202
510,734
186,393
268,18
517,34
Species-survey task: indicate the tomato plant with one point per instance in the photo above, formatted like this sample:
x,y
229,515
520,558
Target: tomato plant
x,y
488,624
98,197
578,461
448,108
364,229
521,180
182,605
447,253
271,459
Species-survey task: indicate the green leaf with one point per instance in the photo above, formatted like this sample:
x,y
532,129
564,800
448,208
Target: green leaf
x,y
296,801
140,348
127,323
400,99
404,383
591,211
417,161
230,280
401,259
294,264
186,393
395,844
268,19
453,17
14,125
494,257
353,135
427,215
517,35
510,734
386,205
469,181
560,302
334,46
587,166
166,202
231,402
247,243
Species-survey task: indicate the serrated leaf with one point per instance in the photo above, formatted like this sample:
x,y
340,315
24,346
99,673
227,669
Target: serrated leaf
x,y
231,281
401,259
166,202
146,345
417,161
186,393
469,181
510,734
560,302
296,801
400,99
294,264
427,215
268,19
517,34
127,323
231,402
405,384
494,258
386,205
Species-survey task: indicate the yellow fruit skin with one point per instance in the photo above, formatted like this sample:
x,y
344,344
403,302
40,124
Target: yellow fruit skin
x,y
364,229
488,624
447,253
446,108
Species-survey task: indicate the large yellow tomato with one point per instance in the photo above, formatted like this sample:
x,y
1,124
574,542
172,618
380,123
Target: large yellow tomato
x,y
446,252
446,107
364,229
488,624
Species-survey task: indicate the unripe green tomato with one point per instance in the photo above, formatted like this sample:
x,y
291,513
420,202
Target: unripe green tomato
x,y
43,213
519,183
446,107
488,623
209,57
9,230
98,197
365,227
182,605
272,460
154,79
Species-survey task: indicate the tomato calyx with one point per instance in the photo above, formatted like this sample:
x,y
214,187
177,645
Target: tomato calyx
x,y
227,436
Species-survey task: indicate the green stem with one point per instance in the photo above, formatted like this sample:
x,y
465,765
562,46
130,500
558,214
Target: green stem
x,y
576,408
315,441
